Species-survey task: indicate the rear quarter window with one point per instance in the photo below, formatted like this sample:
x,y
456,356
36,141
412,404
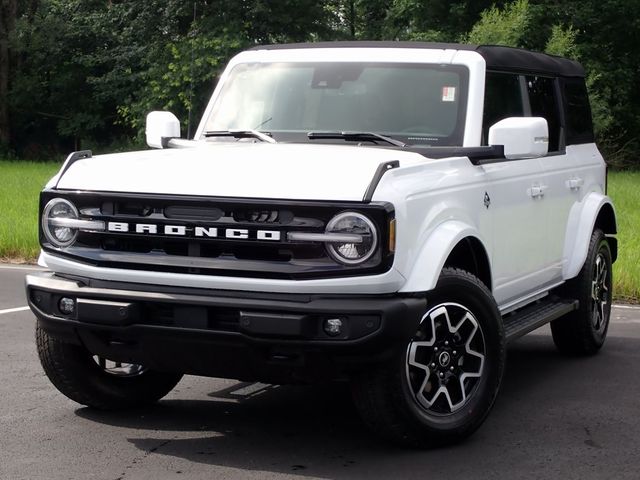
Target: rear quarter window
x,y
577,111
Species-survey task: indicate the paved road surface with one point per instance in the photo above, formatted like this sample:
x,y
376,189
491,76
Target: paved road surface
x,y
556,417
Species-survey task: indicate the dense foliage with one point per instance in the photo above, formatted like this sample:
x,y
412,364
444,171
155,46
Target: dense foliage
x,y
75,73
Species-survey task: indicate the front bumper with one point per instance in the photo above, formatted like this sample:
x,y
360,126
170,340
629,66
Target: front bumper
x,y
273,337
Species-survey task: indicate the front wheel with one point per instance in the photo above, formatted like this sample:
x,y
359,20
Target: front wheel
x,y
97,382
444,380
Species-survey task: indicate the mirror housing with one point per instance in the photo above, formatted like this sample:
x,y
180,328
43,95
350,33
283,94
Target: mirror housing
x,y
522,137
160,127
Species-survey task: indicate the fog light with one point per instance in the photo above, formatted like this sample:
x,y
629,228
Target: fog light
x,y
333,327
67,305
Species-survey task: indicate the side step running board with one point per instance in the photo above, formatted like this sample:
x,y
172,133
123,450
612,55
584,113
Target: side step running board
x,y
527,319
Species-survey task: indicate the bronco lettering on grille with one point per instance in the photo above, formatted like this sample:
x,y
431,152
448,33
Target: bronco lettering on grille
x,y
194,231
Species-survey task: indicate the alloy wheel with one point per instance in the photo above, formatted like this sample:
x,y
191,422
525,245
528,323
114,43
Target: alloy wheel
x,y
445,359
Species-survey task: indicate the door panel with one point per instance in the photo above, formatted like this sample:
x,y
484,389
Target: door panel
x,y
570,177
565,184
519,223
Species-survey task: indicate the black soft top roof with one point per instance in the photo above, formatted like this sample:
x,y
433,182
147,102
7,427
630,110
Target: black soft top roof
x,y
497,57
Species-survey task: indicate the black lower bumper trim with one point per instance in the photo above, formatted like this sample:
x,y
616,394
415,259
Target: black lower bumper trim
x,y
249,336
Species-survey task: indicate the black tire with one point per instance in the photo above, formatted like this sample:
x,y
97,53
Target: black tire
x,y
75,373
392,399
583,331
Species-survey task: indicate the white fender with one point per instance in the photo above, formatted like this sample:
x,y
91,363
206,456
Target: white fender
x,y
582,219
434,252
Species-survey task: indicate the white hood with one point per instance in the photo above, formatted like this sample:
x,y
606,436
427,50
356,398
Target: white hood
x,y
249,170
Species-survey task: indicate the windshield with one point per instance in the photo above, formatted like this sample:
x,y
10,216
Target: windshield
x,y
414,103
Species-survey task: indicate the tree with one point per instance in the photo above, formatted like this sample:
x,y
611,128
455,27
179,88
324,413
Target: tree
x,y
78,60
8,15
184,71
78,71
508,26
607,38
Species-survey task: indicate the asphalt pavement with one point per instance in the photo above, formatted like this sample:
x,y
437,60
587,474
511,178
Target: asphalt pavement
x,y
556,417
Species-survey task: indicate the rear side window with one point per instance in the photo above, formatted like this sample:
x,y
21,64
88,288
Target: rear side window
x,y
577,112
543,101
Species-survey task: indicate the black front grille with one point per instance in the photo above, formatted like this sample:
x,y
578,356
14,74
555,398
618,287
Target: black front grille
x,y
215,236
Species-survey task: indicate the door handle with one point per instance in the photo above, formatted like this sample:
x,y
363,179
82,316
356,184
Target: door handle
x,y
574,183
537,191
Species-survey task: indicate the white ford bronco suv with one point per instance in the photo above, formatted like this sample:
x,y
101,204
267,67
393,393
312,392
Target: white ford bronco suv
x,y
390,214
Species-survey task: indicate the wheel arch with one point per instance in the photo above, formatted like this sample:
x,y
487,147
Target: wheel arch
x,y
452,244
595,211
470,255
606,221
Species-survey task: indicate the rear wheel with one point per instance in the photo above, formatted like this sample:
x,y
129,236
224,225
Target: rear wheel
x,y
445,378
584,330
98,382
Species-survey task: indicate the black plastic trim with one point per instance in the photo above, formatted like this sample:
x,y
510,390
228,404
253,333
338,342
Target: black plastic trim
x,y
377,176
476,155
532,316
283,202
71,159
280,340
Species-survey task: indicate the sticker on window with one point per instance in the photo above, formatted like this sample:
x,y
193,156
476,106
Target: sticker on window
x,y
448,94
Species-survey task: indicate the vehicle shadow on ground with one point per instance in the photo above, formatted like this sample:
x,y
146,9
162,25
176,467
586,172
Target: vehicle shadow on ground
x,y
315,431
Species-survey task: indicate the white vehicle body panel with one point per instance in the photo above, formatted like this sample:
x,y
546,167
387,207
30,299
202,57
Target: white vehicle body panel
x,y
519,229
384,283
243,170
569,178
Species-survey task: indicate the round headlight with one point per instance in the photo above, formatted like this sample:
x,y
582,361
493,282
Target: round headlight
x,y
363,229
53,216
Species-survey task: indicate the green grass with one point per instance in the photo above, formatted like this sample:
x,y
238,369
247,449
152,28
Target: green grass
x,y
20,183
624,189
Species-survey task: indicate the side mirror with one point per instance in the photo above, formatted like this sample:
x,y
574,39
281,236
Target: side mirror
x,y
522,137
161,126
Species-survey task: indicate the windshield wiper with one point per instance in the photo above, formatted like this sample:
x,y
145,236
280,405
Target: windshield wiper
x,y
240,134
370,136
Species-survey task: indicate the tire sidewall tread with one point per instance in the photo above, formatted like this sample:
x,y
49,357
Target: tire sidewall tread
x,y
574,334
74,373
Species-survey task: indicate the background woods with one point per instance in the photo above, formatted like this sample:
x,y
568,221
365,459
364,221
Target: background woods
x,y
77,74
